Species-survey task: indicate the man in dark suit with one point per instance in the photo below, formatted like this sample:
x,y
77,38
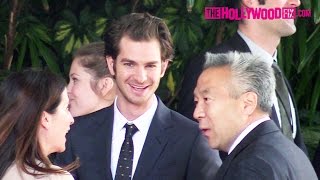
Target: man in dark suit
x,y
139,137
260,37
233,98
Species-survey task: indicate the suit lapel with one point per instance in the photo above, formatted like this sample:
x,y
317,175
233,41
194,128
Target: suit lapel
x,y
109,129
103,138
293,102
262,129
290,94
286,106
238,44
155,143
282,91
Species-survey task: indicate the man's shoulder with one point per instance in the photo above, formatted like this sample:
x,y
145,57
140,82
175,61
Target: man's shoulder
x,y
234,43
272,148
173,116
263,158
94,117
92,122
223,47
182,121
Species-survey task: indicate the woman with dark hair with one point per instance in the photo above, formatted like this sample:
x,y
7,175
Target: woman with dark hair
x,y
34,120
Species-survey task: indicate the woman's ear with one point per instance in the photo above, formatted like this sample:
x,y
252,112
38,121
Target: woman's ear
x,y
105,85
45,120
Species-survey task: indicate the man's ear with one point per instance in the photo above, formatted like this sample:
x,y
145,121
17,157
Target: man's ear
x,y
250,102
164,66
110,64
45,120
105,85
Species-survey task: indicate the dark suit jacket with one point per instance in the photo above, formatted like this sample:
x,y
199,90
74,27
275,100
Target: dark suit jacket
x,y
265,153
168,152
186,100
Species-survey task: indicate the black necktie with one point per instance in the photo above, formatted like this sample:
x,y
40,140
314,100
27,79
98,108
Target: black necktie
x,y
283,102
124,167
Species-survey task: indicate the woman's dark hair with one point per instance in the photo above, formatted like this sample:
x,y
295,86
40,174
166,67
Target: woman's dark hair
x,y
91,57
24,96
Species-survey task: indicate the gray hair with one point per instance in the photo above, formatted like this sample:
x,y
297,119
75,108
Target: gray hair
x,y
249,74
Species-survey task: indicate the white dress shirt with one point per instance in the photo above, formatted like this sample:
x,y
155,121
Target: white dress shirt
x,y
245,132
142,123
258,51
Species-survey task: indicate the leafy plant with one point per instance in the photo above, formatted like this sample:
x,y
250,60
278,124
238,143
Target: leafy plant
x,y
74,32
299,56
33,43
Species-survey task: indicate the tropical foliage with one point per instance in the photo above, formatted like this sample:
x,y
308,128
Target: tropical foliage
x,y
44,33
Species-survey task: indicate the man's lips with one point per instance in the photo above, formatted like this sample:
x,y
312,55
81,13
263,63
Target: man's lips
x,y
67,131
205,132
139,89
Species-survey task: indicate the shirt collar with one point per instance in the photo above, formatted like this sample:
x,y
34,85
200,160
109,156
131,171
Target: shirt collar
x,y
245,132
257,50
142,122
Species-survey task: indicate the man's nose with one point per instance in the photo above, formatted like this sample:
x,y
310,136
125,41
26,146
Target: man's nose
x,y
294,3
141,75
198,113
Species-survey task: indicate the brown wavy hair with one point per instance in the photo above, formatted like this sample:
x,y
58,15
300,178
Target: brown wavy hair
x,y
138,27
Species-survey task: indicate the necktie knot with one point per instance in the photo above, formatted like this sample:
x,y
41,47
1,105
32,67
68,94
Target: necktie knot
x,y
131,129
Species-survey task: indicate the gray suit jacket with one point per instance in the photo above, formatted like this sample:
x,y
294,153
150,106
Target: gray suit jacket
x,y
265,153
169,153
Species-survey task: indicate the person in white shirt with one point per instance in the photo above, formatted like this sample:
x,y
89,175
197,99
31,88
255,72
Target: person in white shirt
x,y
260,37
138,137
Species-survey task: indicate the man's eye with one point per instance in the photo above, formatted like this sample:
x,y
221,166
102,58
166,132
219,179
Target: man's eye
x,y
74,79
151,66
207,99
128,64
